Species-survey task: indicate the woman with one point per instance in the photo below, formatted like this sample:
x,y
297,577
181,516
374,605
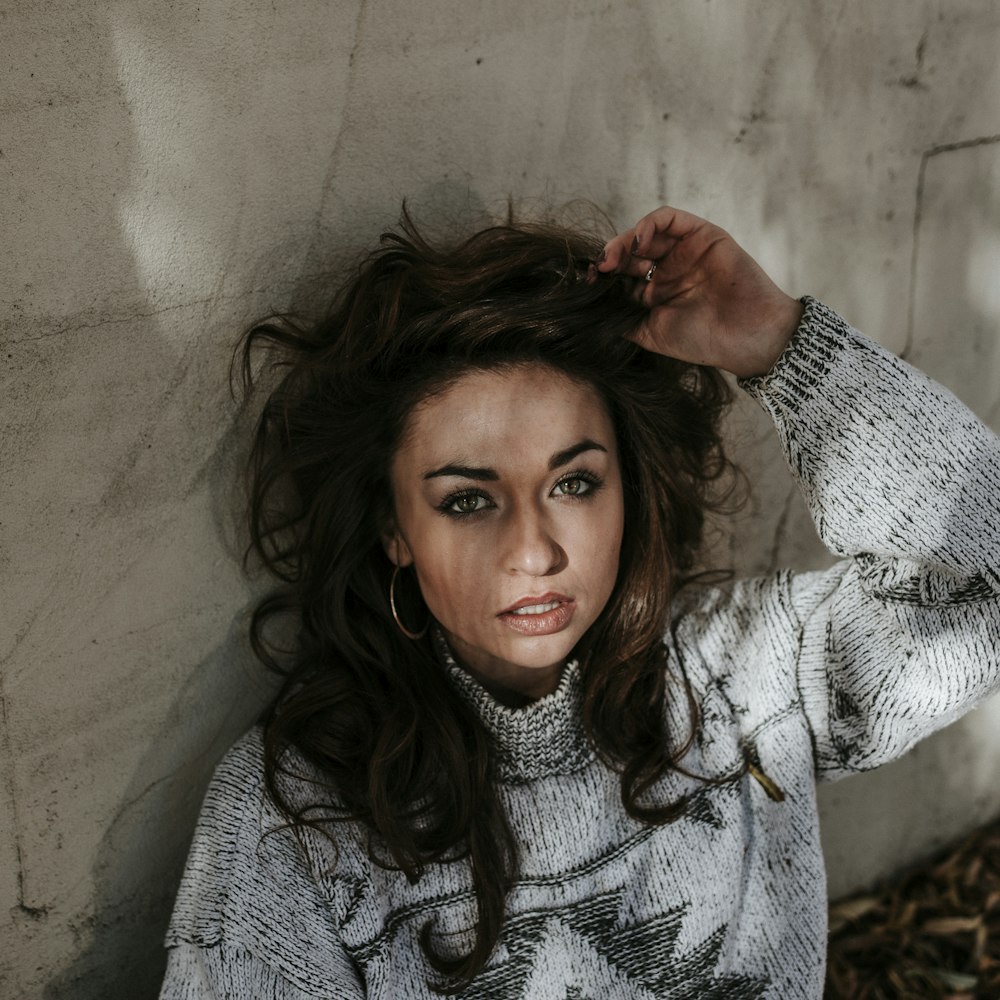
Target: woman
x,y
519,752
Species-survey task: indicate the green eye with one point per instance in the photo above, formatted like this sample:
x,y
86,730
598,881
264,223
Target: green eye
x,y
461,504
575,486
464,503
467,503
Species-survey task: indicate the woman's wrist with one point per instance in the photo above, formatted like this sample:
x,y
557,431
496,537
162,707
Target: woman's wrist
x,y
777,332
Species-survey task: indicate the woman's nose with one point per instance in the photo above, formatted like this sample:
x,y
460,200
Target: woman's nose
x,y
532,548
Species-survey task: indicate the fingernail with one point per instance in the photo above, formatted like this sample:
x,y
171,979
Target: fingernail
x,y
635,244
601,257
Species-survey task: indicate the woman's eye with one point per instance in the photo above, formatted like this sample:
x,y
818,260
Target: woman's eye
x,y
468,503
573,486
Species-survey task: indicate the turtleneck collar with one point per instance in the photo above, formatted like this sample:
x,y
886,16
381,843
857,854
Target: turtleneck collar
x,y
543,738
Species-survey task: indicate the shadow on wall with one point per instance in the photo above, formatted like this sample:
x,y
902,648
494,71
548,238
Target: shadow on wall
x,y
73,370
116,416
141,856
118,446
139,861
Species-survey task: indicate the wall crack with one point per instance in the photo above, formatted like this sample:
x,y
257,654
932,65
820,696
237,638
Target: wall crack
x,y
918,211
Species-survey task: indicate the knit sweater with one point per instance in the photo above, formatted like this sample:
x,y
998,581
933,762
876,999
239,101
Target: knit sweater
x,y
811,675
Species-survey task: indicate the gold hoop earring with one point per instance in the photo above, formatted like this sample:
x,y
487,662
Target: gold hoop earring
x,y
395,613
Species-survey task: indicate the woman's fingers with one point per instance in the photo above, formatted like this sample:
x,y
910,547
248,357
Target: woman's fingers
x,y
707,300
661,223
652,238
616,252
620,260
660,293
638,265
661,289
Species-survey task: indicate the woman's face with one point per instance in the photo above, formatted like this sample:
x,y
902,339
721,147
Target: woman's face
x,y
509,508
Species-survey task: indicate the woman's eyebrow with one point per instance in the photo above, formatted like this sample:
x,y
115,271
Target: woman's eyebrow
x,y
568,454
482,474
465,472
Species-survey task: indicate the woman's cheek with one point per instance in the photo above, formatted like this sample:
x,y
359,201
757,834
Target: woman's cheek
x,y
455,569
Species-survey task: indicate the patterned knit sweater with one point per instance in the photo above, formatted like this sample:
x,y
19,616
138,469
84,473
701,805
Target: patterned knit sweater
x,y
812,675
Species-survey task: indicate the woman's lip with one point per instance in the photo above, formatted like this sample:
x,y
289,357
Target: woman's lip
x,y
542,623
527,602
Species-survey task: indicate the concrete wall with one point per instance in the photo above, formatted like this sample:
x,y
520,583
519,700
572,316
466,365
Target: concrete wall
x,y
168,171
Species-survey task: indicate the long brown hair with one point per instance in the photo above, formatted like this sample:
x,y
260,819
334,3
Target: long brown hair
x,y
373,710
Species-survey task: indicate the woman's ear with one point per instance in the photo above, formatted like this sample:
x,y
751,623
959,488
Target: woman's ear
x,y
396,548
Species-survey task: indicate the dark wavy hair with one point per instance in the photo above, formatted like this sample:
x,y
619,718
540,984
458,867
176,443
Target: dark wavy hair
x,y
372,710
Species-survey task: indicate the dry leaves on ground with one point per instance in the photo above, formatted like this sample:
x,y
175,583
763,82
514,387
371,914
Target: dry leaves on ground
x,y
934,932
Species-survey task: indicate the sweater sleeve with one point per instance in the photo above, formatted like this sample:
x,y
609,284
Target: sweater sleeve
x,y
901,637
251,919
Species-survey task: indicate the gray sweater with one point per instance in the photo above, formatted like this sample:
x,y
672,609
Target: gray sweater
x,y
811,675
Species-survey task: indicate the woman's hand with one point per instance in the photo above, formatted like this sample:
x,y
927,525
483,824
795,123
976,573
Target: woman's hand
x,y
709,301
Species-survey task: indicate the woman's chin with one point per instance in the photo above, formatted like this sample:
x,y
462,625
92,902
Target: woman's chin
x,y
526,655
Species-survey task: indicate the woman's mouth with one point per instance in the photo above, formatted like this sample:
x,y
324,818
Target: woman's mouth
x,y
536,609
541,615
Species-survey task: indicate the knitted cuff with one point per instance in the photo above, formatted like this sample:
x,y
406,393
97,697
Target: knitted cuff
x,y
812,351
